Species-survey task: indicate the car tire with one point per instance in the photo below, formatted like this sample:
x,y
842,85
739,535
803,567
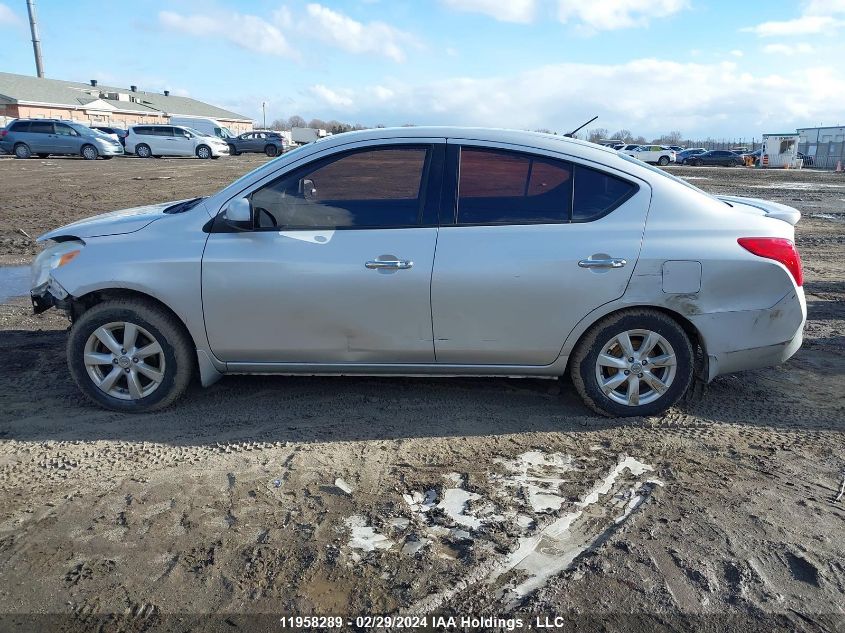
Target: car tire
x,y
663,161
600,356
89,152
233,151
22,150
203,152
122,383
271,150
143,151
697,163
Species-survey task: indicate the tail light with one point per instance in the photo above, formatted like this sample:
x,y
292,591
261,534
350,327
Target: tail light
x,y
3,133
778,249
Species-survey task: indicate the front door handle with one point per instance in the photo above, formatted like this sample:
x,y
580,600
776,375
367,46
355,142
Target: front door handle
x,y
389,264
611,262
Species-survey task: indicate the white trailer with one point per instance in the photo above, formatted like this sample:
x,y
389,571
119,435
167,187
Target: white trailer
x,y
210,127
780,150
303,135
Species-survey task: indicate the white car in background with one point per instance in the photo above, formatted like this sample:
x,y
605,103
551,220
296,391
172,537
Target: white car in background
x,y
659,154
173,140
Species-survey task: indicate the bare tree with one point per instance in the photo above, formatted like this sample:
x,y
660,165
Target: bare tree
x,y
297,121
318,124
624,135
597,134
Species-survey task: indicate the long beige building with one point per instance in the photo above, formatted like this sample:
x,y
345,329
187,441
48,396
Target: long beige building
x,y
23,96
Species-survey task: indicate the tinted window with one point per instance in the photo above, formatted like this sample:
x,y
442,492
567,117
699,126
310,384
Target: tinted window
x,y
375,188
20,126
165,130
506,187
40,127
597,193
142,130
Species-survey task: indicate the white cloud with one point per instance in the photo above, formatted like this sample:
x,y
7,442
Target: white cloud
x,y
737,53
332,98
801,48
605,15
7,16
508,11
356,37
805,25
824,7
707,98
246,31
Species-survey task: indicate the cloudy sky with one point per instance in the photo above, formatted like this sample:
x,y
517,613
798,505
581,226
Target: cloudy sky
x,y
721,68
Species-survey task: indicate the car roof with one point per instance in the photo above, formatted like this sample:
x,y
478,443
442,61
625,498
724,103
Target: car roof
x,y
538,140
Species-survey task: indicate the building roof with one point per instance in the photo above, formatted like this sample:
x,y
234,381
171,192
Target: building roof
x,y
24,88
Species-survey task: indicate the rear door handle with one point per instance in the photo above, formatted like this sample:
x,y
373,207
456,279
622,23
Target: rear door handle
x,y
612,262
390,264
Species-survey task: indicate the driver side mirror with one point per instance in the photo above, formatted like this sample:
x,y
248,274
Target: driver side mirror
x,y
238,214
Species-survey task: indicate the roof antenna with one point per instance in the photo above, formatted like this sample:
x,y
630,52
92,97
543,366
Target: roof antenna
x,y
578,129
36,41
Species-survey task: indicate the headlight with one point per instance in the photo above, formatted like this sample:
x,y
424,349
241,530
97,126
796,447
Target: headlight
x,y
54,256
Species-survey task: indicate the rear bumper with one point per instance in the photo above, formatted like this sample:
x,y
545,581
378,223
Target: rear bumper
x,y
751,339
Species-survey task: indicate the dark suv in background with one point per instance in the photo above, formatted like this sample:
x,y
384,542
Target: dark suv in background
x,y
42,137
270,143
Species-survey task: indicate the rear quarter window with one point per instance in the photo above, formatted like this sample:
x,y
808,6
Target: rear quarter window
x,y
20,126
597,193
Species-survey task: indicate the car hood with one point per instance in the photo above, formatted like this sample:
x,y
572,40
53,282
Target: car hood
x,y
113,223
764,207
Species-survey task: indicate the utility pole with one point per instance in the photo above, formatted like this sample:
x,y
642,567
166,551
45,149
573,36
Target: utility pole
x,y
36,41
264,114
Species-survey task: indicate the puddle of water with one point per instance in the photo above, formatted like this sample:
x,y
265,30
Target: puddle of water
x,y
14,282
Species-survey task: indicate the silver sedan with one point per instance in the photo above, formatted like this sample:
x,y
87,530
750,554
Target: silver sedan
x,y
431,251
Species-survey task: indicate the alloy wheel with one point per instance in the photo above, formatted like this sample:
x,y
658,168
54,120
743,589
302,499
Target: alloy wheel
x,y
124,360
636,367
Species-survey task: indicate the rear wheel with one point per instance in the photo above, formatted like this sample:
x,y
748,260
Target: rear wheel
x,y
143,151
204,152
663,161
89,152
22,150
130,355
271,150
635,362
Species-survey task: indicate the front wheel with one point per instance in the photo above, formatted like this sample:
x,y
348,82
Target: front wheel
x,y
204,152
233,151
130,355
89,152
697,163
635,362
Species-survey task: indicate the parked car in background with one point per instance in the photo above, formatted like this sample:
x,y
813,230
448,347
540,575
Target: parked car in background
x,y
808,160
43,137
720,157
676,148
629,147
209,127
117,132
659,154
173,140
270,143
544,255
682,158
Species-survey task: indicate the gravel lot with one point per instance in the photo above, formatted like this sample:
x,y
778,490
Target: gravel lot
x,y
367,495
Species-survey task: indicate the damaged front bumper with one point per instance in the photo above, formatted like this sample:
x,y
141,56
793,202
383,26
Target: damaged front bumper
x,y
49,294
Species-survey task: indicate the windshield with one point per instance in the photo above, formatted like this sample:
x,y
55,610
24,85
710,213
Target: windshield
x,y
85,130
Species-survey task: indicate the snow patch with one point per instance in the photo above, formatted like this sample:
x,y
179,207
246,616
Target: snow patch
x,y
363,537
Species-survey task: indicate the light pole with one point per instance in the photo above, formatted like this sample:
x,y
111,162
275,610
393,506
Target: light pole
x,y
264,114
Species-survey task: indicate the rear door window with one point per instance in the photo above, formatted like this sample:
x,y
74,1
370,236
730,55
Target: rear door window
x,y
501,187
41,127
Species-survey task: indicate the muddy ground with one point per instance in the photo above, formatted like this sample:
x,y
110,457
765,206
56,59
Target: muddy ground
x,y
353,496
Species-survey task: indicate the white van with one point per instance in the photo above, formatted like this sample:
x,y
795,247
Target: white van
x,y
211,127
172,140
